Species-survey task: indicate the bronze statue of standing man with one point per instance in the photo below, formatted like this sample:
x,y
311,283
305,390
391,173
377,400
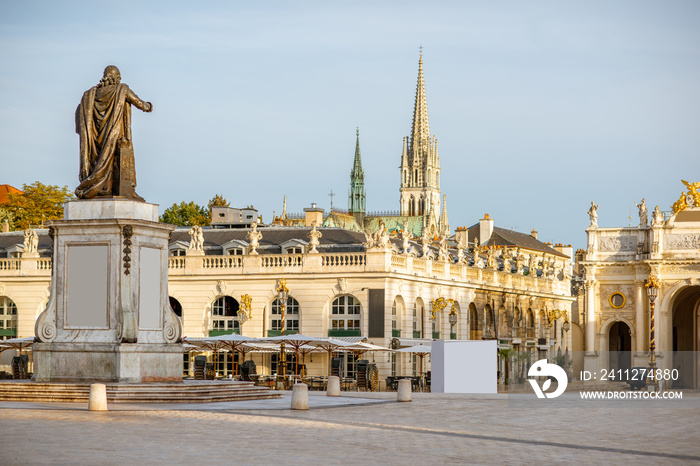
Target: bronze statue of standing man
x,y
103,121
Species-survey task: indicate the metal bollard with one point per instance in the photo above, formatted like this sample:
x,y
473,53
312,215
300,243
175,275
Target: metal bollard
x,y
98,397
300,396
333,386
404,391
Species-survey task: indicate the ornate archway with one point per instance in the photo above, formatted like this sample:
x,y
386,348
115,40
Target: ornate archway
x,y
685,337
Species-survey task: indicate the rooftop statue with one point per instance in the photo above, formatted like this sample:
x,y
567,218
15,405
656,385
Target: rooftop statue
x,y
593,214
643,213
103,121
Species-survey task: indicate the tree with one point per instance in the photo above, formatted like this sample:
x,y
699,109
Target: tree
x,y
37,204
185,215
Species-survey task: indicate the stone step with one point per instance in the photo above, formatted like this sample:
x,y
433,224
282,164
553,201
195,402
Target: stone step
x,y
186,392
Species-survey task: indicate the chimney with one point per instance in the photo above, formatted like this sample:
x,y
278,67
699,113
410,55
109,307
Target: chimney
x,y
313,214
485,229
533,233
461,234
6,227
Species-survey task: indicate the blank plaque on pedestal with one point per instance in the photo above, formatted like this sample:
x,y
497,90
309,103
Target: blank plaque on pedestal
x,y
88,285
149,289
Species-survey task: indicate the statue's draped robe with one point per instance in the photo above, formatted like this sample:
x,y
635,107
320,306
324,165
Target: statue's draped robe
x,y
102,120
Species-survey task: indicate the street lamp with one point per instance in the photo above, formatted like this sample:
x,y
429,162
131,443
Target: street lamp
x,y
566,326
282,294
652,286
452,318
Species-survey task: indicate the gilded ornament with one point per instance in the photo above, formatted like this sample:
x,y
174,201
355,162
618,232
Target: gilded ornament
x,y
689,199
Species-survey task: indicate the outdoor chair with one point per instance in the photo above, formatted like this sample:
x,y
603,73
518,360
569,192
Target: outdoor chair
x,y
200,364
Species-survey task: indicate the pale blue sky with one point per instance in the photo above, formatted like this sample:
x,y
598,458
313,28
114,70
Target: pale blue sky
x,y
539,107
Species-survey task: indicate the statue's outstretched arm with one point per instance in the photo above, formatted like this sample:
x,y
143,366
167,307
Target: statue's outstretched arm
x,y
134,100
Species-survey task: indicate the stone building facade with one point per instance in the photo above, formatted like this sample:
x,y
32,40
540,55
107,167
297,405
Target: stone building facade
x,y
612,301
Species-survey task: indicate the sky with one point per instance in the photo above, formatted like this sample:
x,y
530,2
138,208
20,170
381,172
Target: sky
x,y
539,107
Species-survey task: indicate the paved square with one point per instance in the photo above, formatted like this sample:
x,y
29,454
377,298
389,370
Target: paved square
x,y
359,428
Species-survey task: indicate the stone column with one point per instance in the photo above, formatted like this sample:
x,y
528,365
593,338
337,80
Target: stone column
x,y
640,320
590,316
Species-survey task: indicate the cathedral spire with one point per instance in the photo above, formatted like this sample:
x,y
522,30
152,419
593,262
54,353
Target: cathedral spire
x,y
444,222
357,165
420,132
356,196
420,164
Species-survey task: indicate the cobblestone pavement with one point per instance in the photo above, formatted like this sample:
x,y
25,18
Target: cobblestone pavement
x,y
359,428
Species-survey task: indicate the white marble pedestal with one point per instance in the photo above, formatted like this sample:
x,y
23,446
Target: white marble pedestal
x,y
109,317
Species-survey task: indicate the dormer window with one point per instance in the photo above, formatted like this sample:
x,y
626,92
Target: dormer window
x,y
177,252
294,250
235,252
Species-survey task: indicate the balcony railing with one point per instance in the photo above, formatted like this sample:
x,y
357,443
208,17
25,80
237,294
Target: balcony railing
x,y
9,264
344,333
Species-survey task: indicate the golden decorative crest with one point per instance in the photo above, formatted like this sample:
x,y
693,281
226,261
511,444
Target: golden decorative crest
x,y
246,308
688,199
282,285
556,314
439,305
653,282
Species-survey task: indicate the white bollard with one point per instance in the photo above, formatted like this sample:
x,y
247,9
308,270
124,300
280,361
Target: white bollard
x,y
300,396
98,397
404,392
333,388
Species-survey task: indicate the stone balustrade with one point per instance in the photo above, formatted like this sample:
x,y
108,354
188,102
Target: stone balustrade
x,y
384,261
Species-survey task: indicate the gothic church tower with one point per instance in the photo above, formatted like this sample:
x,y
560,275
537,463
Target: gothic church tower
x,y
420,165
356,197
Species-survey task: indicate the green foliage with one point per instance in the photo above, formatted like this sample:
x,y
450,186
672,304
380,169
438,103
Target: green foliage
x,y
37,204
186,214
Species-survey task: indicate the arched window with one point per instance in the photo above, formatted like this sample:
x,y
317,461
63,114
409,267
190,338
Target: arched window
x,y
489,331
517,324
473,323
542,325
530,324
291,317
396,317
8,318
224,316
418,318
345,317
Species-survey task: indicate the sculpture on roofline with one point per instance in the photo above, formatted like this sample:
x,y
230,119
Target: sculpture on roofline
x,y
460,249
491,257
425,241
196,239
31,241
643,213
442,249
405,236
314,235
657,217
593,214
103,122
381,238
531,266
254,237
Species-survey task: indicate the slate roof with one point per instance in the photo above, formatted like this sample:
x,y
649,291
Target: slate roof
x,y
333,239
503,237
